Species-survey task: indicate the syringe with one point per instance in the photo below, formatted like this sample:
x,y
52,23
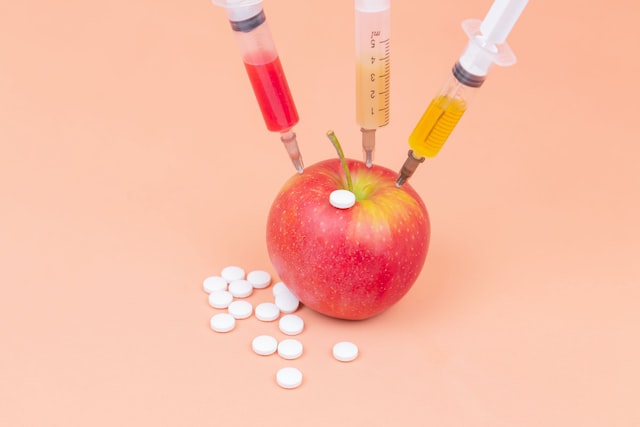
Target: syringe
x,y
265,72
373,70
486,46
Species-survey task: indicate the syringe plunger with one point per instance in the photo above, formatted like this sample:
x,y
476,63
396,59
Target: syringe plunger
x,y
500,20
239,10
487,38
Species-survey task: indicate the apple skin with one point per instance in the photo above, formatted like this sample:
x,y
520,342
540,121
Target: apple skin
x,y
348,263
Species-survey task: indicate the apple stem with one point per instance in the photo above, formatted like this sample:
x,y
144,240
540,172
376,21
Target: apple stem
x,y
334,140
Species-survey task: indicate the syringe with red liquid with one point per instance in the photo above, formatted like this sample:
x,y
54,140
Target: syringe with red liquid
x,y
265,72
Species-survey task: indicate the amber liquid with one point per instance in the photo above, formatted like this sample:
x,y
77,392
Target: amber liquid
x,y
372,93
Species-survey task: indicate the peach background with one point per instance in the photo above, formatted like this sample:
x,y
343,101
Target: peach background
x,y
134,163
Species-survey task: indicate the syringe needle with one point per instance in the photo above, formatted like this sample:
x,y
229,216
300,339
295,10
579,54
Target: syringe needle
x,y
408,168
291,145
368,145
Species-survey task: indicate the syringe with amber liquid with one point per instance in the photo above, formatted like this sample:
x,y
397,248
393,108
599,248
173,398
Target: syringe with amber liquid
x,y
373,70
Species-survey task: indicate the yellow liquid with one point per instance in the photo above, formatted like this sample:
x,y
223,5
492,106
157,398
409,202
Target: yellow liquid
x,y
435,125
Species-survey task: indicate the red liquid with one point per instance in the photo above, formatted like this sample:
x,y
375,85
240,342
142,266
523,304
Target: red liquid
x,y
273,95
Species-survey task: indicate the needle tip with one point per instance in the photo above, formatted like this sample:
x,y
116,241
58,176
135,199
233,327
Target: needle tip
x,y
368,158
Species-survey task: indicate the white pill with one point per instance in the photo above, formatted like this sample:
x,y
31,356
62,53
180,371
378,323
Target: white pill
x,y
287,302
267,311
342,199
259,279
240,288
214,283
289,377
264,345
240,309
220,299
279,288
291,324
232,273
345,351
290,348
223,322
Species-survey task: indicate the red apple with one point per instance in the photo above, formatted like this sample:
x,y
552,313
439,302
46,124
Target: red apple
x,y
348,263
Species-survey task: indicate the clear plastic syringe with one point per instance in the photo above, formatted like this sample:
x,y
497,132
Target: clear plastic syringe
x,y
373,70
486,46
262,63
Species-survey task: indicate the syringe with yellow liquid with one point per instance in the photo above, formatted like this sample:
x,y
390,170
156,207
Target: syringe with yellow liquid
x,y
486,46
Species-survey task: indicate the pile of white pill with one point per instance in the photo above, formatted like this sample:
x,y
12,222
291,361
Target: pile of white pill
x,y
229,291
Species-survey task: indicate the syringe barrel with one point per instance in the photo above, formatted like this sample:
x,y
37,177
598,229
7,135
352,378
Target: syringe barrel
x,y
373,62
262,63
254,39
441,116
